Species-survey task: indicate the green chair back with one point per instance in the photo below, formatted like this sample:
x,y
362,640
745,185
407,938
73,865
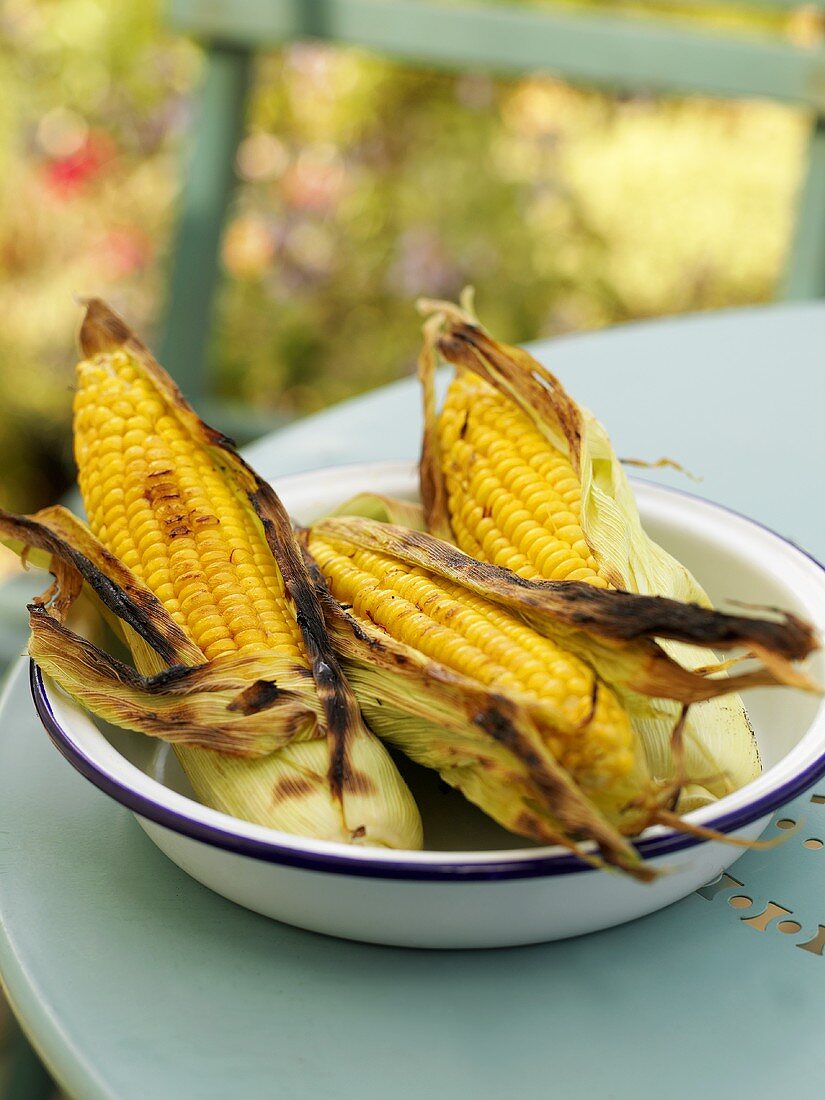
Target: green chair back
x,y
608,50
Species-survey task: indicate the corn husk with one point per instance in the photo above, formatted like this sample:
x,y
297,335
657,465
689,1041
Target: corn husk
x,y
263,737
614,631
719,749
493,744
484,743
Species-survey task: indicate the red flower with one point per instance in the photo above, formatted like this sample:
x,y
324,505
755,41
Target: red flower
x,y
66,176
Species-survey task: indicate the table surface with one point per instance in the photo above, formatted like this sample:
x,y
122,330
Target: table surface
x,y
134,981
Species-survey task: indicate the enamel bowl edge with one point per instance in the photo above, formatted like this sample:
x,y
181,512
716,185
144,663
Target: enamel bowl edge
x,y
476,898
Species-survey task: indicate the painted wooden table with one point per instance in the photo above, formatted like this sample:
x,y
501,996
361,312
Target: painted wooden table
x,y
133,981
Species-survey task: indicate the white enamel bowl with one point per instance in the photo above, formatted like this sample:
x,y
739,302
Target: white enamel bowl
x,y
475,885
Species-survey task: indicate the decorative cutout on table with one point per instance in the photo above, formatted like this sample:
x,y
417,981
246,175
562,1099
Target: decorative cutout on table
x,y
726,882
773,916
819,799
740,901
771,911
789,927
817,944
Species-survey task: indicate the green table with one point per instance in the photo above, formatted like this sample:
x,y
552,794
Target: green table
x,y
133,981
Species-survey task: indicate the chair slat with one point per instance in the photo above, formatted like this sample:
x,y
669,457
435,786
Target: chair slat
x,y
593,47
805,268
210,177
608,50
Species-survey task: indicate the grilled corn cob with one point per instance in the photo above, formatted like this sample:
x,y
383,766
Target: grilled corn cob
x,y
517,474
493,680
579,718
194,560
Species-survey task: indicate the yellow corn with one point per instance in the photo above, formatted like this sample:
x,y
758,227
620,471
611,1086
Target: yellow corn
x,y
182,522
155,498
514,500
518,474
579,717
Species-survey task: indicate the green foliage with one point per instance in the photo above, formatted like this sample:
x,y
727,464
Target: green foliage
x,y
365,185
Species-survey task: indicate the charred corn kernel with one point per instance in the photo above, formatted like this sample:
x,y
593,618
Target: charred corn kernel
x,y
156,499
514,500
586,727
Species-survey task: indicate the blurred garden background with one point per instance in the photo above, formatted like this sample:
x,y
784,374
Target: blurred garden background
x,y
364,185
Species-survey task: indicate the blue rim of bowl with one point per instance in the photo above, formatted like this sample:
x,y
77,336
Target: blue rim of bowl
x,y
435,870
